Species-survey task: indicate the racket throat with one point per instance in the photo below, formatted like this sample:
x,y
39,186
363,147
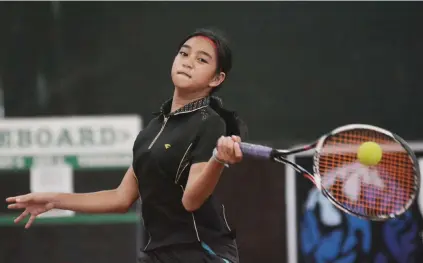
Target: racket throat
x,y
300,170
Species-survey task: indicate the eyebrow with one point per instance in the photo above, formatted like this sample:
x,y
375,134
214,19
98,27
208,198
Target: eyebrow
x,y
201,52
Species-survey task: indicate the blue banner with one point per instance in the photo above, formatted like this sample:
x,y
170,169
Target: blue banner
x,y
327,235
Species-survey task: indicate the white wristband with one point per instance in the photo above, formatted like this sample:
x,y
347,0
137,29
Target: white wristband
x,y
217,159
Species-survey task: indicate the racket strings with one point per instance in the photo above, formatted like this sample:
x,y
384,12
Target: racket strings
x,y
382,189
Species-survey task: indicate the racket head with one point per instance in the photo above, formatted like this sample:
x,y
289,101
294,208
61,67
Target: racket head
x,y
380,192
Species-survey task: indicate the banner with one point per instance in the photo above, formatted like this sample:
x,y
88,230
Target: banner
x,y
68,135
81,142
325,234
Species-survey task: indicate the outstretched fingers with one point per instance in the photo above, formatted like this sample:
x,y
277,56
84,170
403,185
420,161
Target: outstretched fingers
x,y
30,221
19,199
17,206
21,216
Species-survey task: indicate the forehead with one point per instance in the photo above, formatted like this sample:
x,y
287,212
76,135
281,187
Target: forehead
x,y
201,43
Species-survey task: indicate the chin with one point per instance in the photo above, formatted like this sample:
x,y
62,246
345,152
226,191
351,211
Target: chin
x,y
182,82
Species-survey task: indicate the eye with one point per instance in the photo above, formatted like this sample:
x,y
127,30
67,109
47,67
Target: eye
x,y
202,60
182,53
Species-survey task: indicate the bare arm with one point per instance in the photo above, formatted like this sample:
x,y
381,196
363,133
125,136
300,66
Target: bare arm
x,y
203,177
118,200
202,181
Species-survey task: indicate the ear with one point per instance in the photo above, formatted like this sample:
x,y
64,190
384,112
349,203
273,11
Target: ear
x,y
217,80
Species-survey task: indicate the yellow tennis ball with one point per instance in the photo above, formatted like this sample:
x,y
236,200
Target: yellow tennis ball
x,y
369,153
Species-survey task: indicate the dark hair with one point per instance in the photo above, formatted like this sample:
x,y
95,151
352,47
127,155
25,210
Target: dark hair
x,y
234,124
224,53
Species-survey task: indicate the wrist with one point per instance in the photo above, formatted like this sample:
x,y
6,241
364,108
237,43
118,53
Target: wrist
x,y
56,200
217,159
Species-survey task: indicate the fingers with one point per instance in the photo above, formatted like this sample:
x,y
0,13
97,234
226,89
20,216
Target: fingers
x,y
236,138
224,148
12,199
30,221
24,202
228,146
17,206
229,150
25,214
22,216
238,152
220,147
237,147
19,199
24,198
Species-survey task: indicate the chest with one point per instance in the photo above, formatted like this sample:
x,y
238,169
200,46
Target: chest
x,y
163,147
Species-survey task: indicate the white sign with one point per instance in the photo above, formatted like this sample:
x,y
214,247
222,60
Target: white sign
x,y
57,178
68,135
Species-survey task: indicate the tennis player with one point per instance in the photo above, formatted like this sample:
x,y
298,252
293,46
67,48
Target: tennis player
x,y
177,162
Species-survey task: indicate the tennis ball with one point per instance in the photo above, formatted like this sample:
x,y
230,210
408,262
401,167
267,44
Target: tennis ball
x,y
369,153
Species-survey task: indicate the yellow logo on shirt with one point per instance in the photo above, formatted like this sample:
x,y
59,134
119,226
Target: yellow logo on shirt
x,y
167,146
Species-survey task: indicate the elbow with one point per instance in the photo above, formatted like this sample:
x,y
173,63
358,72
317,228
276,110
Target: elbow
x,y
125,206
190,203
119,208
122,205
122,209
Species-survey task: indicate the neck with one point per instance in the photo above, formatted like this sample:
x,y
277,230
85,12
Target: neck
x,y
181,99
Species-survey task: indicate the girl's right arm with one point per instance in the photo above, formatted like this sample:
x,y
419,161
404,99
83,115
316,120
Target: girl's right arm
x,y
118,200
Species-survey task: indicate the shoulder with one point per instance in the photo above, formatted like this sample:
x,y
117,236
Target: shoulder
x,y
210,118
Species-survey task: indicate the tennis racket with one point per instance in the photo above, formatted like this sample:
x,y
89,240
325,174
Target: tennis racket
x,y
378,192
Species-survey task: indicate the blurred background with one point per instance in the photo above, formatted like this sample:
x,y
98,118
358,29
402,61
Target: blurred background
x,y
79,80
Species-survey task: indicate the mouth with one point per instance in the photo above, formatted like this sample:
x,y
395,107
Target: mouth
x,y
183,73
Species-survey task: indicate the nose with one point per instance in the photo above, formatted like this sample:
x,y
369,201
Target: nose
x,y
188,62
187,65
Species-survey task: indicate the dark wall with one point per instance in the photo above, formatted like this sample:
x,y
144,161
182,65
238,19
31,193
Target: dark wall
x,y
69,243
307,66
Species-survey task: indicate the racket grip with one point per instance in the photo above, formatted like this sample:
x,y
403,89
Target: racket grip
x,y
257,151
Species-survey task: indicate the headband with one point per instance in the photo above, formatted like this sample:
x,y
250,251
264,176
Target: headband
x,y
210,40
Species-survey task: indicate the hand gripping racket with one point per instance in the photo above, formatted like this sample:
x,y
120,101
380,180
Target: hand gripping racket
x,y
376,192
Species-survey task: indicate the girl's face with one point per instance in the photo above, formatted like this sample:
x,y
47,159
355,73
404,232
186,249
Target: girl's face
x,y
194,67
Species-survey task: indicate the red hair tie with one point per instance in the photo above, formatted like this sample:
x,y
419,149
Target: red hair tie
x,y
211,41
213,44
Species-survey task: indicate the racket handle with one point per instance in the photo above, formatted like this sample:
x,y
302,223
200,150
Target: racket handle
x,y
257,151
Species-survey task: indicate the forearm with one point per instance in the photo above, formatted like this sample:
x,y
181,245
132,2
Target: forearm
x,y
96,202
203,185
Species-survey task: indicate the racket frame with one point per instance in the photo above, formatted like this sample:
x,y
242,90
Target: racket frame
x,y
315,177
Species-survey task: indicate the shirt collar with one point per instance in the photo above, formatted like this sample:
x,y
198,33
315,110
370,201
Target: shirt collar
x,y
190,107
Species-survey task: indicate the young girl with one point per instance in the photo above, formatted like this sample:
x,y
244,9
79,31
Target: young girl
x,y
177,162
